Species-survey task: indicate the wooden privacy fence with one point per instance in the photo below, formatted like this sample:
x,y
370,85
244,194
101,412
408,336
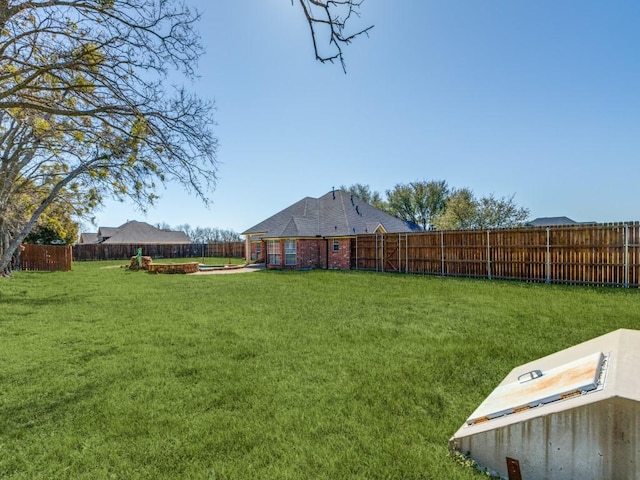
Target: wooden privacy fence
x,y
104,251
45,258
607,254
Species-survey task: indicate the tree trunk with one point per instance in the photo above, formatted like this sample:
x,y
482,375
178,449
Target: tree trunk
x,y
5,270
10,248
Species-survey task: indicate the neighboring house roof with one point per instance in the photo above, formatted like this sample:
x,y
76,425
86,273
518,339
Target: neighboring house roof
x,y
555,222
140,233
335,214
88,238
551,222
107,232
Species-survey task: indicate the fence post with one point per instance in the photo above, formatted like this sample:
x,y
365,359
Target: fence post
x,y
406,253
382,253
441,253
626,256
399,254
488,255
377,251
548,259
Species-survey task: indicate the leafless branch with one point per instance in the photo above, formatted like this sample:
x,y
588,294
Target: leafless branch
x,y
329,19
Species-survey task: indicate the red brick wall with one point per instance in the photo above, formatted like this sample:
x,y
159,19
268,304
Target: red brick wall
x,y
340,259
312,253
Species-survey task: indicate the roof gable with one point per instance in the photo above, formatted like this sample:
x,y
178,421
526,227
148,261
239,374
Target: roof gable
x,y
373,227
88,237
106,232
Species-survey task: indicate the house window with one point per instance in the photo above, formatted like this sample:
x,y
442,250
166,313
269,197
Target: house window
x,y
336,245
273,252
289,252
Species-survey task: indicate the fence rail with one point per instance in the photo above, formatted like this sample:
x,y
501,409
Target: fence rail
x,y
607,254
45,258
101,251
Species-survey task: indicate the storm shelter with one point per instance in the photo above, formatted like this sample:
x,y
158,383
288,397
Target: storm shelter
x,y
572,414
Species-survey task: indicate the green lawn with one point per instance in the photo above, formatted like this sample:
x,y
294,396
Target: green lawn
x,y
106,373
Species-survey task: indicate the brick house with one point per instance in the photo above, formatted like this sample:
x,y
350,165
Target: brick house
x,y
317,232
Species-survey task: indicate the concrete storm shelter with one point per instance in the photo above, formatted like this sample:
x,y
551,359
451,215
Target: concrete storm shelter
x,y
574,414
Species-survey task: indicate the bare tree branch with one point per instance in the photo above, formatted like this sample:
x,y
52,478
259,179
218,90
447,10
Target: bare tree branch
x,y
329,19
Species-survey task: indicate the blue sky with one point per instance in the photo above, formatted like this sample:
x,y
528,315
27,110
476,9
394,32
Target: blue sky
x,y
538,99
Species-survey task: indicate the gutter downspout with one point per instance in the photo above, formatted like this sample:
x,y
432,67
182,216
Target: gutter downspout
x,y
326,252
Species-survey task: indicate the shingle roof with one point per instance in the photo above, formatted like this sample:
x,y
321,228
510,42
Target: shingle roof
x,y
106,232
88,238
142,233
551,221
335,214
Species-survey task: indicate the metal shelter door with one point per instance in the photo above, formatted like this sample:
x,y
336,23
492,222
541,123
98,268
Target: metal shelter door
x,y
513,469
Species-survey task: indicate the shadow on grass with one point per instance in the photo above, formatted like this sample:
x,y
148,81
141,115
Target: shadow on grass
x,y
22,299
36,410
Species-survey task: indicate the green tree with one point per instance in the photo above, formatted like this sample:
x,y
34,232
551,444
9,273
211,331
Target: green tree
x,y
464,211
461,211
55,226
364,193
421,202
500,212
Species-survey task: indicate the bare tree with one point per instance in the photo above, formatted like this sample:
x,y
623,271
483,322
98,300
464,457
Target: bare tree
x,y
205,234
329,19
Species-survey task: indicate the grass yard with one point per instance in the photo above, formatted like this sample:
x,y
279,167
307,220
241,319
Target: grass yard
x,y
107,373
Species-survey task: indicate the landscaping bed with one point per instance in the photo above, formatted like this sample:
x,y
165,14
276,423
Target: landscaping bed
x,y
190,267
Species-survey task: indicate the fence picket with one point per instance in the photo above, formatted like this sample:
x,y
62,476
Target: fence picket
x,y
45,258
594,254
